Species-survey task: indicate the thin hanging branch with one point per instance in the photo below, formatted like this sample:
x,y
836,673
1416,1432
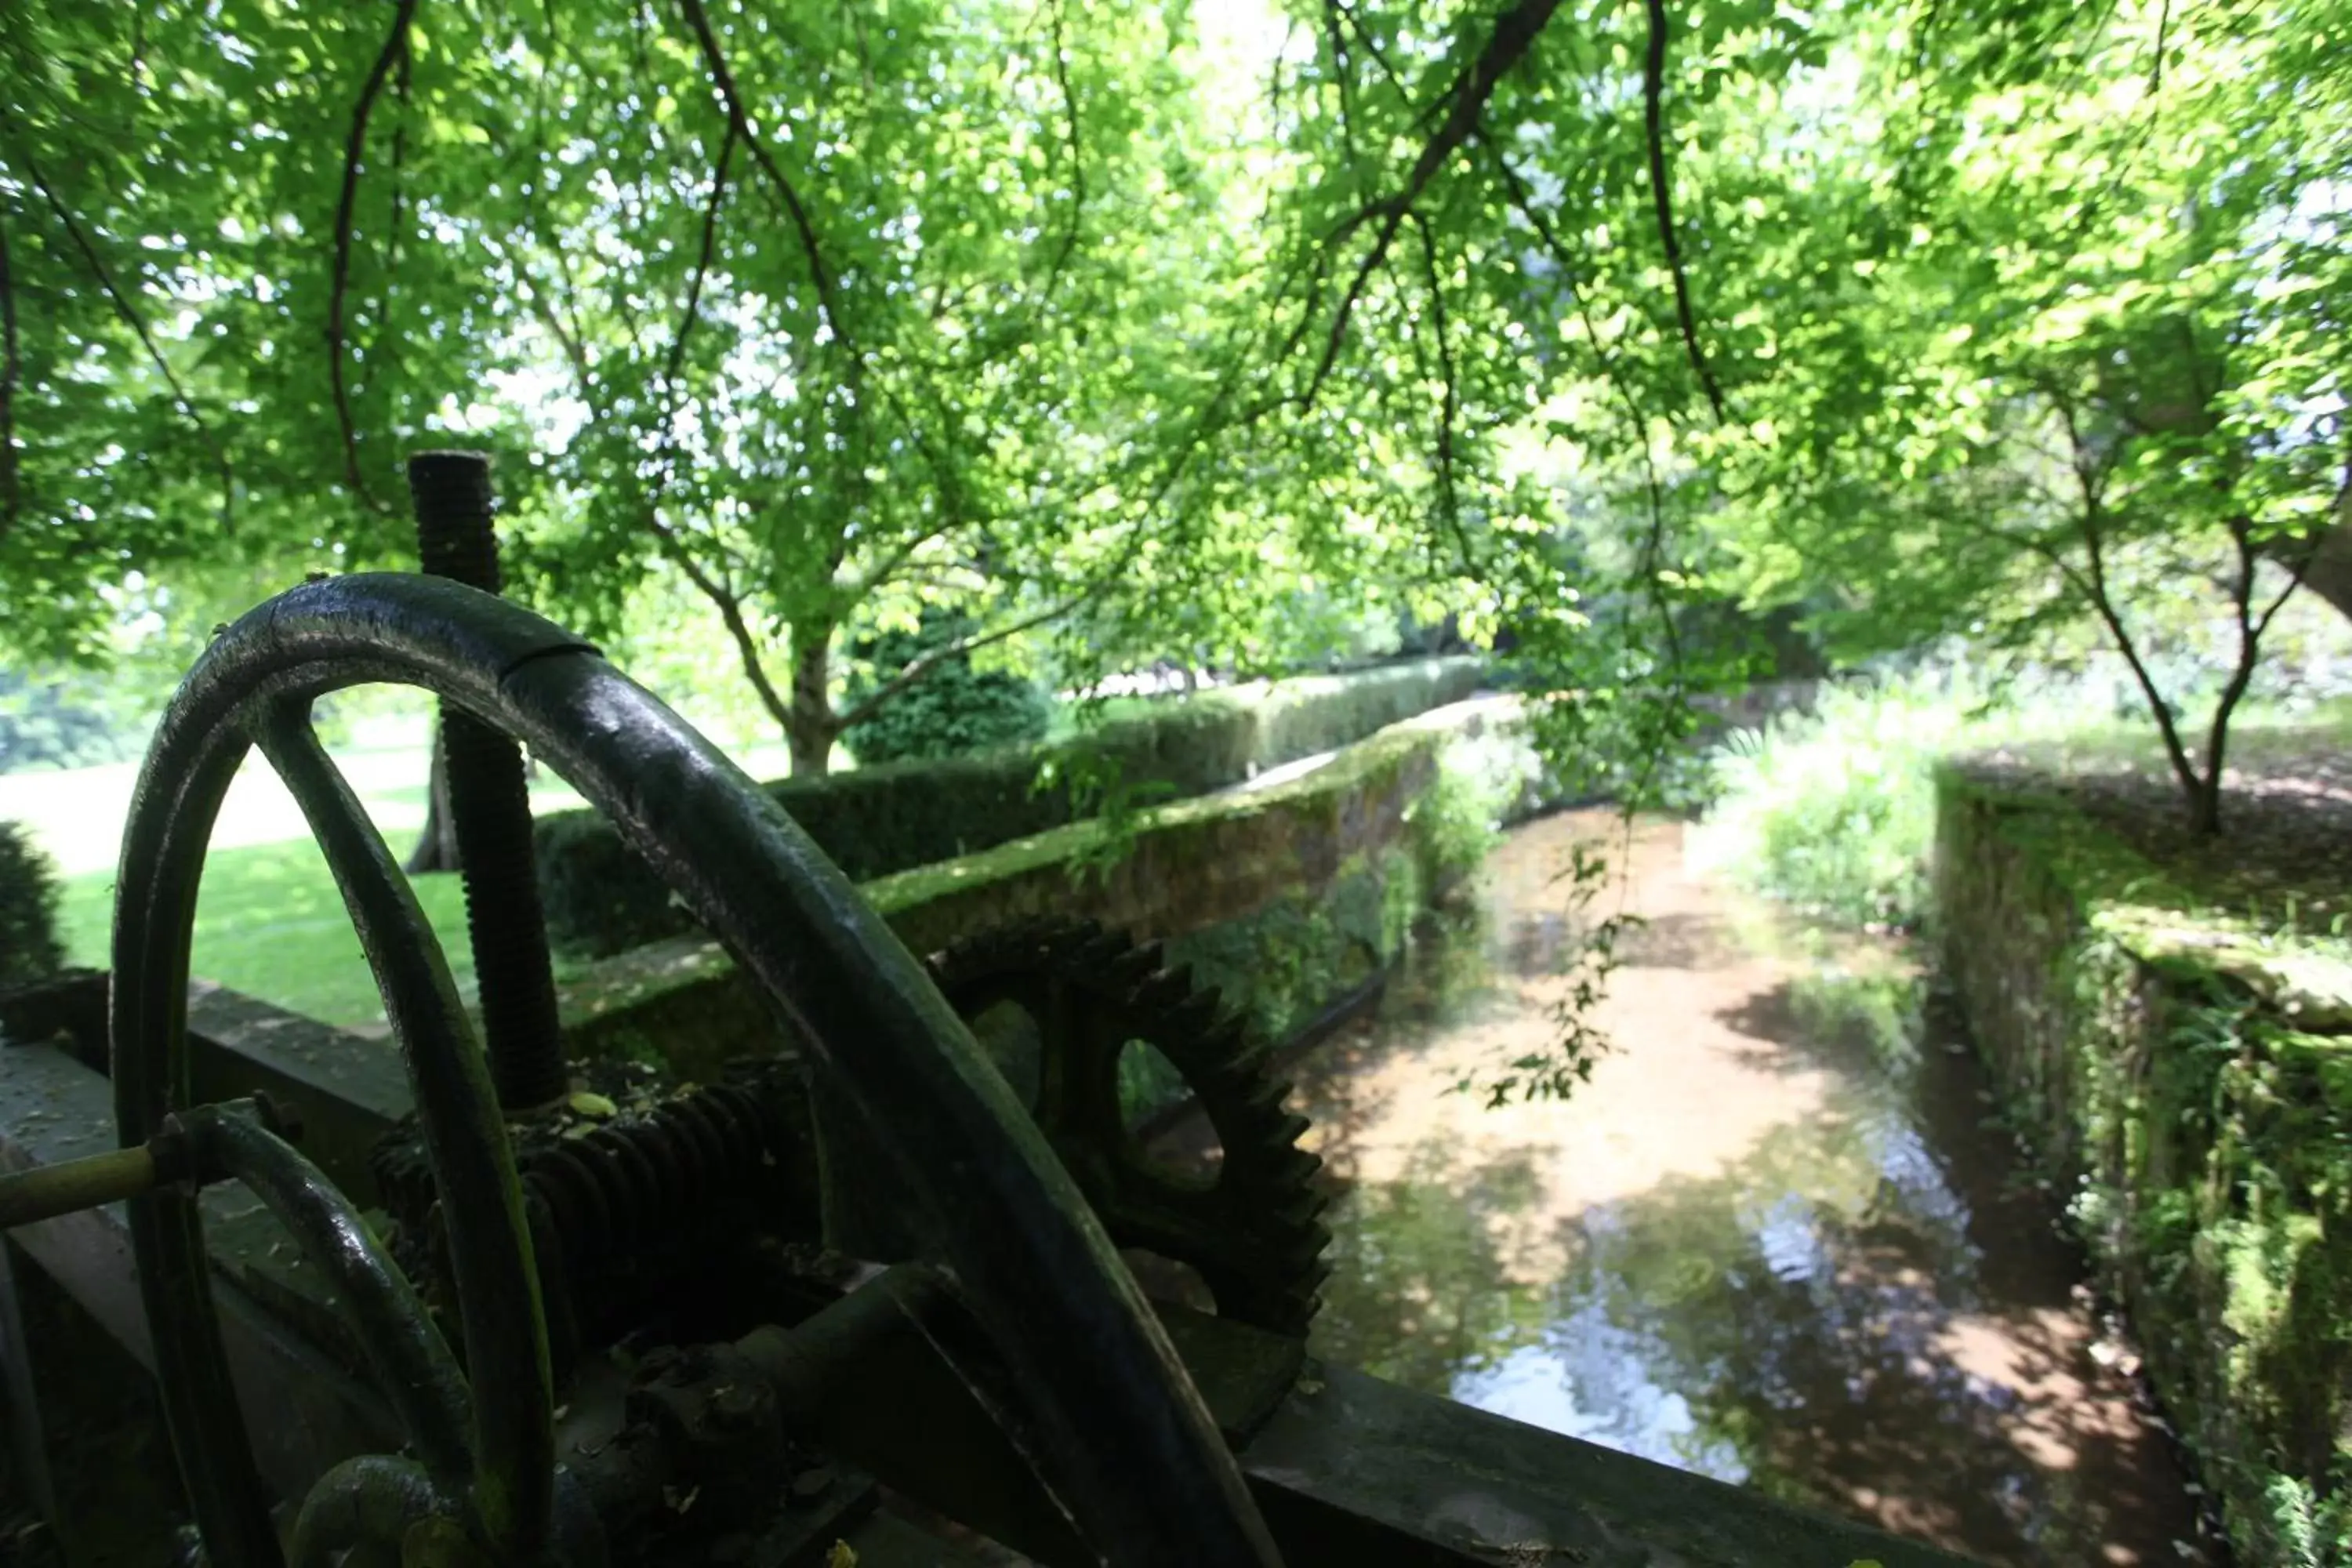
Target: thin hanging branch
x,y
1653,88
138,325
1515,31
675,365
740,121
1566,260
11,369
1450,401
1077,156
1342,75
395,46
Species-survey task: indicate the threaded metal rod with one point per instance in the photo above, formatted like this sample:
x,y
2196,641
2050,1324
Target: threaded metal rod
x,y
489,806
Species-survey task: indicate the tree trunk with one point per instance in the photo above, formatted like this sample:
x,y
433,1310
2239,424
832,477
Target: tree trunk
x,y
810,726
436,848
2205,807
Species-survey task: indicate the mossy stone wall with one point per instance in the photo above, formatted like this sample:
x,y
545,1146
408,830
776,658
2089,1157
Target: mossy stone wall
x,y
1282,897
600,899
2190,1081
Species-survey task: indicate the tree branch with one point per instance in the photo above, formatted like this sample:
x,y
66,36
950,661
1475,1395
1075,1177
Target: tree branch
x,y
2103,602
396,45
1451,403
2250,636
887,569
1653,85
11,370
1077,155
676,363
131,319
730,616
1522,200
1342,76
1515,31
739,120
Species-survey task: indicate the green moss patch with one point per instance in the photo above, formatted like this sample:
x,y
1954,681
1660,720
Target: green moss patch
x,y
875,822
1282,898
2184,1064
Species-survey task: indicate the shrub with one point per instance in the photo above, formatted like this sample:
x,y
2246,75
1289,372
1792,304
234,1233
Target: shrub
x,y
1302,718
1833,810
953,709
29,948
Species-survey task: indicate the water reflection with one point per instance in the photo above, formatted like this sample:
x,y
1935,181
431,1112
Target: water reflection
x,y
1770,1241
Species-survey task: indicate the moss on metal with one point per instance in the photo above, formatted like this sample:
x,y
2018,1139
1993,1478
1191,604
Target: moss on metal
x,y
2188,1074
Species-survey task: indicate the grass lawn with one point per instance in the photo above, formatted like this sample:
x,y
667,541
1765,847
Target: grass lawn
x,y
270,921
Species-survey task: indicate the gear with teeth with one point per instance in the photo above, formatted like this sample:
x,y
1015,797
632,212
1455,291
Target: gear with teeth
x,y
1058,1004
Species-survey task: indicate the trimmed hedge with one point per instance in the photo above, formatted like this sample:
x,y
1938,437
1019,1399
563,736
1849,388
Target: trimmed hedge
x,y
602,900
1280,898
953,710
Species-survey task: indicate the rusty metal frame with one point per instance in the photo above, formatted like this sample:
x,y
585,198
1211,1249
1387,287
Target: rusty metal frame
x,y
1343,1467
1107,1411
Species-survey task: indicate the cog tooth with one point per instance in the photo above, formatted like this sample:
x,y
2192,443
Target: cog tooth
x,y
1200,1009
1135,971
1267,1095
1102,946
1305,1249
1290,1128
1303,1210
1287,1166
1168,993
1242,1072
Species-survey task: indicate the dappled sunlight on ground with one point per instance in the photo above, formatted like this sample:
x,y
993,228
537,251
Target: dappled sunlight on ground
x,y
1699,1094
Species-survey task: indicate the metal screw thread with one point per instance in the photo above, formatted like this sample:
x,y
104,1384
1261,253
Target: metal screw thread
x,y
454,508
489,806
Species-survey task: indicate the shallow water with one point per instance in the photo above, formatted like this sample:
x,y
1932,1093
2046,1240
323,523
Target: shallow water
x,y
1773,1239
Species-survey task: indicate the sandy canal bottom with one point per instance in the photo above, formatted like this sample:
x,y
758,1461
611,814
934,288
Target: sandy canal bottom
x,y
1773,1239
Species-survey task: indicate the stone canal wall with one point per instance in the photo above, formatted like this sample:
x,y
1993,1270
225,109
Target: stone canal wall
x,y
602,900
1286,894
2187,1077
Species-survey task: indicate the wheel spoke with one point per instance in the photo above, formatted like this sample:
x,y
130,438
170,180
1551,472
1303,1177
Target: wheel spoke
x,y
180,791
414,1369
465,1137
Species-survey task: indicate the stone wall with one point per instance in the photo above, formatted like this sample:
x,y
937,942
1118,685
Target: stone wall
x,y
1283,896
600,899
2188,1081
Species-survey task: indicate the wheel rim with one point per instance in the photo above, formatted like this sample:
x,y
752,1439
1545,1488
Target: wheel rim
x,y
1113,1422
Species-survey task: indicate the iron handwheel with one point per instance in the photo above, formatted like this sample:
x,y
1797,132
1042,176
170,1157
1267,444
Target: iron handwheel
x,y
1079,997
1115,1426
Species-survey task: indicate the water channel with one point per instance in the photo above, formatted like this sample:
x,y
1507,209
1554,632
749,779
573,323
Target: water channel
x,y
1775,1240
